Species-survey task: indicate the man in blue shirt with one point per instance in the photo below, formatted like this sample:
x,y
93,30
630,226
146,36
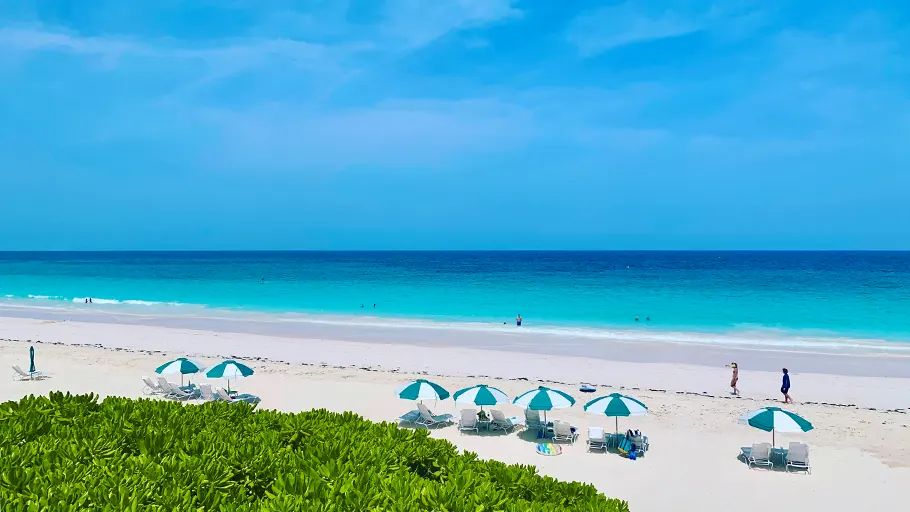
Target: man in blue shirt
x,y
785,387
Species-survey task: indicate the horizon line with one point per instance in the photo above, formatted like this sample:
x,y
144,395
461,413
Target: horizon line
x,y
100,251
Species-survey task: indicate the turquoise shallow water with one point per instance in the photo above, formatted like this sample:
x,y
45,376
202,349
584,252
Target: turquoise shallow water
x,y
848,294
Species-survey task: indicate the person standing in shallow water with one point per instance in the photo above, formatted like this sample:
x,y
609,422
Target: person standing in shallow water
x,y
518,320
785,387
735,378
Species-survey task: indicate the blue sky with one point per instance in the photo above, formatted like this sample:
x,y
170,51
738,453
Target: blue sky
x,y
452,124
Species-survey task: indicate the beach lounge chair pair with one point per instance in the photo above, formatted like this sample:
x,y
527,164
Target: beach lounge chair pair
x,y
759,454
174,392
20,374
150,388
498,421
428,419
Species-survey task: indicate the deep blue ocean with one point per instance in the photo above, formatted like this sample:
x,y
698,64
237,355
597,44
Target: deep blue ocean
x,y
849,294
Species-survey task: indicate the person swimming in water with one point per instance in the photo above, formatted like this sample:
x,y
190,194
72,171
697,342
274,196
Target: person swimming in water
x,y
518,320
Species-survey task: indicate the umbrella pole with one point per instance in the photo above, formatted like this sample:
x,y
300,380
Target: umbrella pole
x,y
773,442
617,424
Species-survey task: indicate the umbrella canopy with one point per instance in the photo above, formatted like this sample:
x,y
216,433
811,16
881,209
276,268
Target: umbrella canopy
x,y
615,405
481,395
181,365
229,369
544,399
421,389
31,357
775,419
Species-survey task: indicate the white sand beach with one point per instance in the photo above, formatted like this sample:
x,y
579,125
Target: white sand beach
x,y
860,448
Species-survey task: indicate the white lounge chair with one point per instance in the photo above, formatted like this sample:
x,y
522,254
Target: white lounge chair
x,y
597,439
206,394
562,431
500,422
165,387
798,457
21,374
223,395
428,419
639,441
468,421
758,455
532,420
150,387
176,393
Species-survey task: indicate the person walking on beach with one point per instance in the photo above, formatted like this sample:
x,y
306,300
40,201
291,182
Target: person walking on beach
x,y
518,320
735,377
785,387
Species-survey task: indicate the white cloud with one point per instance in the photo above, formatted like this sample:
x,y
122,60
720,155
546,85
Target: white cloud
x,y
23,40
393,133
600,30
597,31
420,22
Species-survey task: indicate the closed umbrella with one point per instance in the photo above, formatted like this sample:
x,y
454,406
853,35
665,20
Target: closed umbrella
x,y
421,389
775,419
615,405
481,395
31,357
229,369
181,365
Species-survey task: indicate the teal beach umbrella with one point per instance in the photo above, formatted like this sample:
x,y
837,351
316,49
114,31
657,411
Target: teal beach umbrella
x,y
229,369
775,419
31,357
544,399
181,365
615,405
481,395
421,389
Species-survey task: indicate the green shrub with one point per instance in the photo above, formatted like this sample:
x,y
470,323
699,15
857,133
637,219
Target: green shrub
x,y
66,452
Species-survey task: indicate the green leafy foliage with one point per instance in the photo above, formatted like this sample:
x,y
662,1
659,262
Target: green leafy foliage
x,y
65,452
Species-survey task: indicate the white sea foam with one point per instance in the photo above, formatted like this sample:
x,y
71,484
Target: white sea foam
x,y
96,300
745,336
769,339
